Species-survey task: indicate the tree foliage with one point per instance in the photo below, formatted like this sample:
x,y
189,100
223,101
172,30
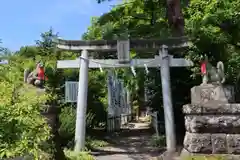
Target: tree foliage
x,y
23,129
213,27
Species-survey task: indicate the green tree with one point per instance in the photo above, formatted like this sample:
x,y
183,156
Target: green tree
x,y
23,129
213,27
152,8
28,51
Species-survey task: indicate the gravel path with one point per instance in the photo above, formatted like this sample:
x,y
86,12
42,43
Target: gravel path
x,y
132,144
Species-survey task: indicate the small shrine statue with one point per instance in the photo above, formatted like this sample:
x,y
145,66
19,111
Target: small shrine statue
x,y
36,77
212,75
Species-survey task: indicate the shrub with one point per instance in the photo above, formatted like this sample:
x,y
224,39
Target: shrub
x,y
158,141
22,129
68,121
94,143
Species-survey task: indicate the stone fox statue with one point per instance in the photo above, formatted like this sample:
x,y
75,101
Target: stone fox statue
x,y
36,77
212,74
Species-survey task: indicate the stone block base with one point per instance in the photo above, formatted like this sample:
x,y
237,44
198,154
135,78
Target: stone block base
x,y
213,123
212,143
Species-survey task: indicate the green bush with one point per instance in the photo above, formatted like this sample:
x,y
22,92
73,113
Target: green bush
x,y
22,129
158,141
67,124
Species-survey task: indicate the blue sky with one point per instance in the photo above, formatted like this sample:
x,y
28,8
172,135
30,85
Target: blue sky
x,y
22,21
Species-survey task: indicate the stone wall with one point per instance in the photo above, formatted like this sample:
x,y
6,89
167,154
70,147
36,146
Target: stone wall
x,y
212,128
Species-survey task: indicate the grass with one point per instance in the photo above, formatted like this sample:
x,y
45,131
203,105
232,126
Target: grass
x,y
158,141
85,155
71,155
95,143
210,157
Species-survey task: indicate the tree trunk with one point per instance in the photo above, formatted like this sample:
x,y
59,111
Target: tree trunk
x,y
175,17
52,116
58,154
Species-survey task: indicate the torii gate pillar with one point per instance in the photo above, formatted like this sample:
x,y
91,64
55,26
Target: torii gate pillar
x,y
82,102
167,100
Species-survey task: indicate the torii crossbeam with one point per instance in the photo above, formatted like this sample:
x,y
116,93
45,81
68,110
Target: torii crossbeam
x,y
110,63
164,60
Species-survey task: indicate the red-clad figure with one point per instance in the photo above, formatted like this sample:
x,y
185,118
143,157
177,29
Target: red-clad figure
x,y
37,77
41,73
41,77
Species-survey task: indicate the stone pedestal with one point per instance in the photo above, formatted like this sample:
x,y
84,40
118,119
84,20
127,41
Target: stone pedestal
x,y
212,121
204,93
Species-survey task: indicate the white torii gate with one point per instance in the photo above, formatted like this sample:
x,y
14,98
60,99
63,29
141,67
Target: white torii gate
x,y
164,60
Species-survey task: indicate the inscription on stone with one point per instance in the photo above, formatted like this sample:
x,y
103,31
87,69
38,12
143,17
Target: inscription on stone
x,y
207,94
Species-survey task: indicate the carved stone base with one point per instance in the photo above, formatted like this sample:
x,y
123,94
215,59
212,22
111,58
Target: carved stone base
x,y
212,143
208,92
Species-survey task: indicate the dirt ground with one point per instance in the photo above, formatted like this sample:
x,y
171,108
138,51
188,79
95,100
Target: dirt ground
x,y
131,144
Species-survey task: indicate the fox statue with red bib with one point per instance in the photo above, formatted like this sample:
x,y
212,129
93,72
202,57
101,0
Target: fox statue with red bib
x,y
37,77
211,74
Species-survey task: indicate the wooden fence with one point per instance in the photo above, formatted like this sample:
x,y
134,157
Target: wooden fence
x,y
116,123
156,124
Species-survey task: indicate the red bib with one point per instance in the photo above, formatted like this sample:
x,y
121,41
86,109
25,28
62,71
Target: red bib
x,y
41,74
204,68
